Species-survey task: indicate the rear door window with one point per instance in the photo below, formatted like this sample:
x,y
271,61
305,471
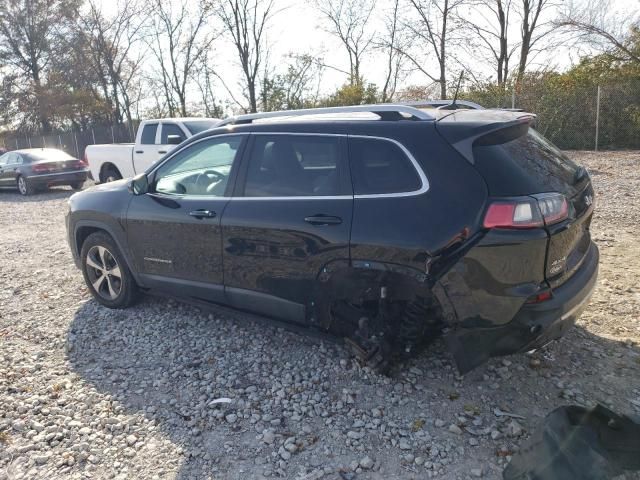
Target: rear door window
x,y
294,165
170,129
149,134
13,159
380,167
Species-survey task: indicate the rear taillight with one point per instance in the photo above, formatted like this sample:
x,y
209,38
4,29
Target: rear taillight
x,y
516,213
553,206
40,168
541,297
80,164
527,212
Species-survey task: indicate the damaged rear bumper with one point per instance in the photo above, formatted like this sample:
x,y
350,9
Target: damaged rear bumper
x,y
533,326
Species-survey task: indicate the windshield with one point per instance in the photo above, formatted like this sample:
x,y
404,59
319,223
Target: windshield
x,y
197,126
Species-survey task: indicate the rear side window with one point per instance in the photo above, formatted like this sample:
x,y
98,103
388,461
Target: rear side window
x,y
381,167
169,129
149,134
525,165
293,165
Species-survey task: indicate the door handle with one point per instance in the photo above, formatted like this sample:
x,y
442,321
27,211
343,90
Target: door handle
x,y
202,213
162,152
323,220
139,151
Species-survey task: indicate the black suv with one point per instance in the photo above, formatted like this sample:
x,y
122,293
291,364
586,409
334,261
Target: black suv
x,y
385,224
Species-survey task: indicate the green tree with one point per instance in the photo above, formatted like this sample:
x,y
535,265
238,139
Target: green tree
x,y
30,34
360,93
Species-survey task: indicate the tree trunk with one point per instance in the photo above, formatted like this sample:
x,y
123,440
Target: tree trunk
x,y
253,104
45,124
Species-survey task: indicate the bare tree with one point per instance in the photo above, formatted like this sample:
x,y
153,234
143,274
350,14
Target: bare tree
x,y
211,105
180,41
29,30
596,23
432,29
533,29
489,20
246,22
111,42
348,20
392,45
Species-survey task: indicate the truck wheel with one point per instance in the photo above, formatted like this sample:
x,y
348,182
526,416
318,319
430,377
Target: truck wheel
x,y
25,187
106,273
110,174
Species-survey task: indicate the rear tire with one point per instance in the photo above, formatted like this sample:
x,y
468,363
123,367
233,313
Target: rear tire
x,y
106,273
77,185
110,174
25,187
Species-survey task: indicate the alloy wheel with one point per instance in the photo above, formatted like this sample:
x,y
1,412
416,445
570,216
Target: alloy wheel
x,y
103,272
22,185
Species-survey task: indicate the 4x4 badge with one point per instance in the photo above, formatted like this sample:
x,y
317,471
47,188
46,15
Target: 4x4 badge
x,y
588,199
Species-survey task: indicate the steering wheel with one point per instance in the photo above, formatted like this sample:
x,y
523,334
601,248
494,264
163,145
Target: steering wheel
x,y
204,180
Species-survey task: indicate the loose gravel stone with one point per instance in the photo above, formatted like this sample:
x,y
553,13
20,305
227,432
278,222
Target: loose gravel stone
x,y
367,463
455,429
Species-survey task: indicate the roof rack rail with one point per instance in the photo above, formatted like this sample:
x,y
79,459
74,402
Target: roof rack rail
x,y
443,104
384,111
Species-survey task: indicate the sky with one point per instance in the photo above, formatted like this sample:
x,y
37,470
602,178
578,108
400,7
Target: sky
x,y
298,28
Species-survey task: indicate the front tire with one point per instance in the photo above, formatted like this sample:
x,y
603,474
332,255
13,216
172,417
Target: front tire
x,y
25,187
106,273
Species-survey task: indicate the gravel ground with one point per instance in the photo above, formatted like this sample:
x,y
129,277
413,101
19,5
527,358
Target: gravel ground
x,y
86,392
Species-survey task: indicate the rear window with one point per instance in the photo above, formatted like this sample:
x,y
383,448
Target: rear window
x,y
381,167
47,155
170,129
293,165
525,165
149,134
198,126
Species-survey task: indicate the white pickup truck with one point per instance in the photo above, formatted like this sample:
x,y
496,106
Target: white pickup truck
x,y
154,139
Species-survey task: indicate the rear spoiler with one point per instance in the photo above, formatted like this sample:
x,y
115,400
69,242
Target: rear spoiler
x,y
463,134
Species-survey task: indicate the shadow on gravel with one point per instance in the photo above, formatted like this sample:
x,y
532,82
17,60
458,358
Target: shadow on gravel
x,y
169,361
55,193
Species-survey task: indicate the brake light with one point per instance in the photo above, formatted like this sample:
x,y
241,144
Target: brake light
x,y
541,297
40,168
80,164
527,212
518,213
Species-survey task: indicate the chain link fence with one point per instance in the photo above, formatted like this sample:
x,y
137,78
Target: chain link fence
x,y
72,141
576,117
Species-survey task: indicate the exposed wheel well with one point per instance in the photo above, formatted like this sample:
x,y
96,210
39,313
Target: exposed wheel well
x,y
106,167
83,232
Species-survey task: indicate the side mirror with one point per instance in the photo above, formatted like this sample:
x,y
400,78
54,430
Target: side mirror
x,y
174,139
139,185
